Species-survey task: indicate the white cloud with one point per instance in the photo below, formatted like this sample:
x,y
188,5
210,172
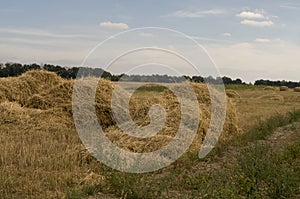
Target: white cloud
x,y
40,33
146,34
206,39
257,23
196,14
226,34
250,15
111,25
262,40
252,61
266,40
291,6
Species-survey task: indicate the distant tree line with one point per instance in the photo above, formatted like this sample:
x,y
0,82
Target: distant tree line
x,y
289,84
16,69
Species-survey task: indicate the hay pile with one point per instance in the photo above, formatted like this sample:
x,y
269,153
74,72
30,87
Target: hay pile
x,y
46,92
284,88
232,94
29,119
21,88
272,96
297,89
56,97
269,88
167,99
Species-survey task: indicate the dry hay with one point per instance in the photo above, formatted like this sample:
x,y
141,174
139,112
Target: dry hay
x,y
272,96
55,94
13,113
93,179
59,96
297,89
284,88
36,120
269,88
232,93
168,100
21,88
40,150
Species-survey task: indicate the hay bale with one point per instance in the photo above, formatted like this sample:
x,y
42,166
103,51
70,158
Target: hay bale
x,y
232,94
269,88
283,88
273,97
297,89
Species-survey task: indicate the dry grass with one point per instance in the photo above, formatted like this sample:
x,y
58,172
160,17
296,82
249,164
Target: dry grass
x,y
269,88
41,153
272,96
232,93
297,89
252,107
284,88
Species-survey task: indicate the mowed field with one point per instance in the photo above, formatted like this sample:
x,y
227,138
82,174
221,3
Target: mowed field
x,y
256,104
41,155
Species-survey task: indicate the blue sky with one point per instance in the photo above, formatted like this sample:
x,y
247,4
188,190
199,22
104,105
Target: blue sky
x,y
246,39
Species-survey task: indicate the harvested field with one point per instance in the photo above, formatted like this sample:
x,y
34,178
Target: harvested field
x,y
41,152
43,157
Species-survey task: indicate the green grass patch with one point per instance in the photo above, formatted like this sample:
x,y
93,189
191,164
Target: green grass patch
x,y
266,128
258,132
259,172
242,86
152,88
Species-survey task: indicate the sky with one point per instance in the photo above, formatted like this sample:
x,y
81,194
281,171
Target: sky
x,y
241,39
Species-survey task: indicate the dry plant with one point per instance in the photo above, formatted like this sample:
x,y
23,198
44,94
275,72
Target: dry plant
x,y
41,153
269,88
297,89
232,93
284,88
272,96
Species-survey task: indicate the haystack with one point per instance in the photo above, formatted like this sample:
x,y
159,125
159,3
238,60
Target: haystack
x,y
21,88
232,94
269,88
57,96
14,115
297,89
168,100
272,96
283,88
42,92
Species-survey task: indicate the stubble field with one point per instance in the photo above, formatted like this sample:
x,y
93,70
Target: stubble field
x,y
41,155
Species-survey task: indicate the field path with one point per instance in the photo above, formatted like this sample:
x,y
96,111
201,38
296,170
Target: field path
x,y
280,139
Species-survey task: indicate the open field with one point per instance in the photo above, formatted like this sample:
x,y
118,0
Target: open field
x,y
258,104
41,155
